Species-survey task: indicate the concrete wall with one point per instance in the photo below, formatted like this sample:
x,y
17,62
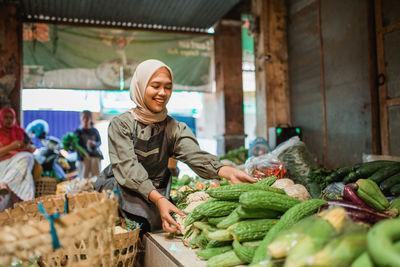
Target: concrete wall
x,y
344,32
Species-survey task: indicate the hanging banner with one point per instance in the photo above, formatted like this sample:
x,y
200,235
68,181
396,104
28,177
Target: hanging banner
x,y
71,57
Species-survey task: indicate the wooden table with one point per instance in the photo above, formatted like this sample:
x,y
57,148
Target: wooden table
x,y
162,251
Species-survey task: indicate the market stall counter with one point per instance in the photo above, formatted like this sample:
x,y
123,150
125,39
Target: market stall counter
x,y
162,251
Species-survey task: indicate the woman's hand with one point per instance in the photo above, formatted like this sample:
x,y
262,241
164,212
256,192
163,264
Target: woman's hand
x,y
91,143
16,145
235,175
165,207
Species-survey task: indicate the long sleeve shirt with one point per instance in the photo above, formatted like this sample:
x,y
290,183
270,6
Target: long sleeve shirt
x,y
125,165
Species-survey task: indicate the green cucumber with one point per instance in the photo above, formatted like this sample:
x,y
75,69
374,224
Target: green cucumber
x,y
388,183
369,168
349,178
395,190
385,172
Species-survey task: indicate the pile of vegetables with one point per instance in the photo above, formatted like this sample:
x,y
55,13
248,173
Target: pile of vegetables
x,y
276,223
332,239
237,156
384,173
186,185
234,226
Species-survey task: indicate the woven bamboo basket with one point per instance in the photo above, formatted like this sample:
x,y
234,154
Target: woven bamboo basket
x,y
85,231
45,186
124,246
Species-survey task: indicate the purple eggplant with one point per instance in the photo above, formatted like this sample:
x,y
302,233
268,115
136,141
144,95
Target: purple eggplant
x,y
350,195
358,213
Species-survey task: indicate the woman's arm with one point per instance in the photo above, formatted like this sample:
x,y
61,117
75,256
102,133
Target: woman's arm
x,y
206,165
4,150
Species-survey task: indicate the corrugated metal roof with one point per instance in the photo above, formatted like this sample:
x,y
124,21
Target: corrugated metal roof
x,y
182,15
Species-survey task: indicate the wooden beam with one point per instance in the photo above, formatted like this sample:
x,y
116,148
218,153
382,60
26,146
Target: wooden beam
x,y
323,89
393,102
383,111
258,28
277,69
228,60
372,70
271,62
10,57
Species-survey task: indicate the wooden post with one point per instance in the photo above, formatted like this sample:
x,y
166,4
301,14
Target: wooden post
x,y
228,62
271,60
10,57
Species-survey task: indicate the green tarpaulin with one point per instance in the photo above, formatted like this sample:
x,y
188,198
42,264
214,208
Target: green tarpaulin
x,y
60,56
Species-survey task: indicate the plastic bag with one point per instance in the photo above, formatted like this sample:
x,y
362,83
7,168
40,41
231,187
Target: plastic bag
x,y
371,157
264,166
79,185
296,158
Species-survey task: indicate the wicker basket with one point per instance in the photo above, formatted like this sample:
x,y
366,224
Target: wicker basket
x,y
27,210
125,248
45,186
121,253
84,231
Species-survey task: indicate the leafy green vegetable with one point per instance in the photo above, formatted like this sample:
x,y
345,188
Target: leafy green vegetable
x,y
71,143
237,156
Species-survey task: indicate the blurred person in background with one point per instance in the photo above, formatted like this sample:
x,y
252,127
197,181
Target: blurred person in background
x,y
89,138
16,161
142,140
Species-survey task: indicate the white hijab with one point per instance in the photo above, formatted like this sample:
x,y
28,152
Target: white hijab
x,y
139,82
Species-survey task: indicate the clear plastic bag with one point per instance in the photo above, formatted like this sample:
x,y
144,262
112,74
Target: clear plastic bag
x,y
296,158
371,157
264,166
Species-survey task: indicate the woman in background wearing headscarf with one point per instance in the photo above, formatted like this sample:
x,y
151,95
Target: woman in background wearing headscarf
x,y
142,140
16,161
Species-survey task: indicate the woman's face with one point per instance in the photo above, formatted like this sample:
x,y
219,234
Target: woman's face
x,y
158,90
86,120
8,120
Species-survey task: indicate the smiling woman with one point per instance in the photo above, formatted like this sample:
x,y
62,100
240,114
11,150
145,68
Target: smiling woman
x,y
158,90
142,140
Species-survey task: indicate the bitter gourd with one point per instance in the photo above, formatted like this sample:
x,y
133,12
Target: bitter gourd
x,y
251,229
267,200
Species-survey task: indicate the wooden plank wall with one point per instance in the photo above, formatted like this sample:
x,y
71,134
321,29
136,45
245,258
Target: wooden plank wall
x,y
329,70
10,57
271,61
